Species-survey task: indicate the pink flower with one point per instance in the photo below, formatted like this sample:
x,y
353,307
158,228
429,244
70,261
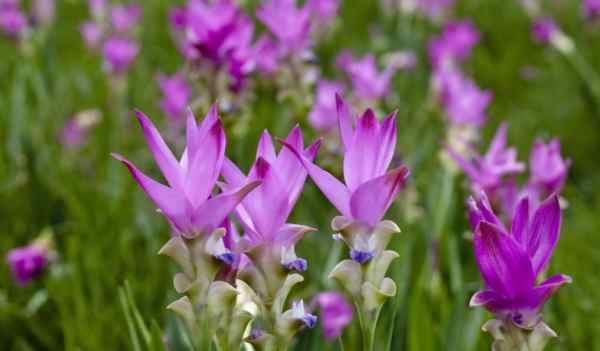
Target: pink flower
x,y
336,313
323,116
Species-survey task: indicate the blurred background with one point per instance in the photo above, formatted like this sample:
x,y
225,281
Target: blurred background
x,y
107,233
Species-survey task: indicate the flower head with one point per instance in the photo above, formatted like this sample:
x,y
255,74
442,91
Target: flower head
x,y
510,261
264,212
119,53
544,29
464,101
27,262
367,81
454,44
323,117
548,168
12,21
92,34
487,171
289,23
188,202
591,8
336,313
369,188
125,17
176,95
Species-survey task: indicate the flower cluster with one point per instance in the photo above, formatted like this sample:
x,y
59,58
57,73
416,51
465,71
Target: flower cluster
x,y
16,23
111,32
494,173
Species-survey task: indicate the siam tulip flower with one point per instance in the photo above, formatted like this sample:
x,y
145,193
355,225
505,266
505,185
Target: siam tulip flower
x,y
43,11
75,131
323,117
591,8
290,24
323,11
366,80
119,53
27,263
454,44
544,30
510,262
12,21
92,34
487,171
125,17
176,94
369,188
187,201
548,168
282,178
265,54
336,313
464,102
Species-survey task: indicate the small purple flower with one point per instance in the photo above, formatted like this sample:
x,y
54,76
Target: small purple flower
x,y
265,55
465,103
323,11
176,95
92,34
454,44
366,80
336,313
72,135
27,263
125,17
434,8
511,261
323,116
544,29
188,202
264,212
290,24
591,8
548,168
12,21
369,188
119,53
487,171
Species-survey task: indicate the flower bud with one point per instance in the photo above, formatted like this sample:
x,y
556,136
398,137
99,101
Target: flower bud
x,y
349,274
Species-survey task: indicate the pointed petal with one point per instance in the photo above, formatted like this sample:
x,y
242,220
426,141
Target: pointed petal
x,y
231,173
538,296
209,120
192,139
344,122
289,234
162,154
171,203
504,265
480,210
205,168
387,146
520,222
288,166
466,166
544,233
491,300
212,212
360,160
335,191
265,148
372,199
499,142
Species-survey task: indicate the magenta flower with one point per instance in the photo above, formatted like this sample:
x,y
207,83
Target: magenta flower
x,y
264,212
290,24
27,263
366,80
487,171
12,21
591,8
464,102
92,34
125,17
511,261
336,313
176,95
368,150
188,202
548,168
265,55
323,116
544,29
454,44
119,53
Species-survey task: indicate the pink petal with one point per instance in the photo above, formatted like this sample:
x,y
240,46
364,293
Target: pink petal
x,y
491,300
538,296
372,199
265,148
162,154
387,145
344,122
520,221
360,159
289,234
212,212
504,265
335,191
544,233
